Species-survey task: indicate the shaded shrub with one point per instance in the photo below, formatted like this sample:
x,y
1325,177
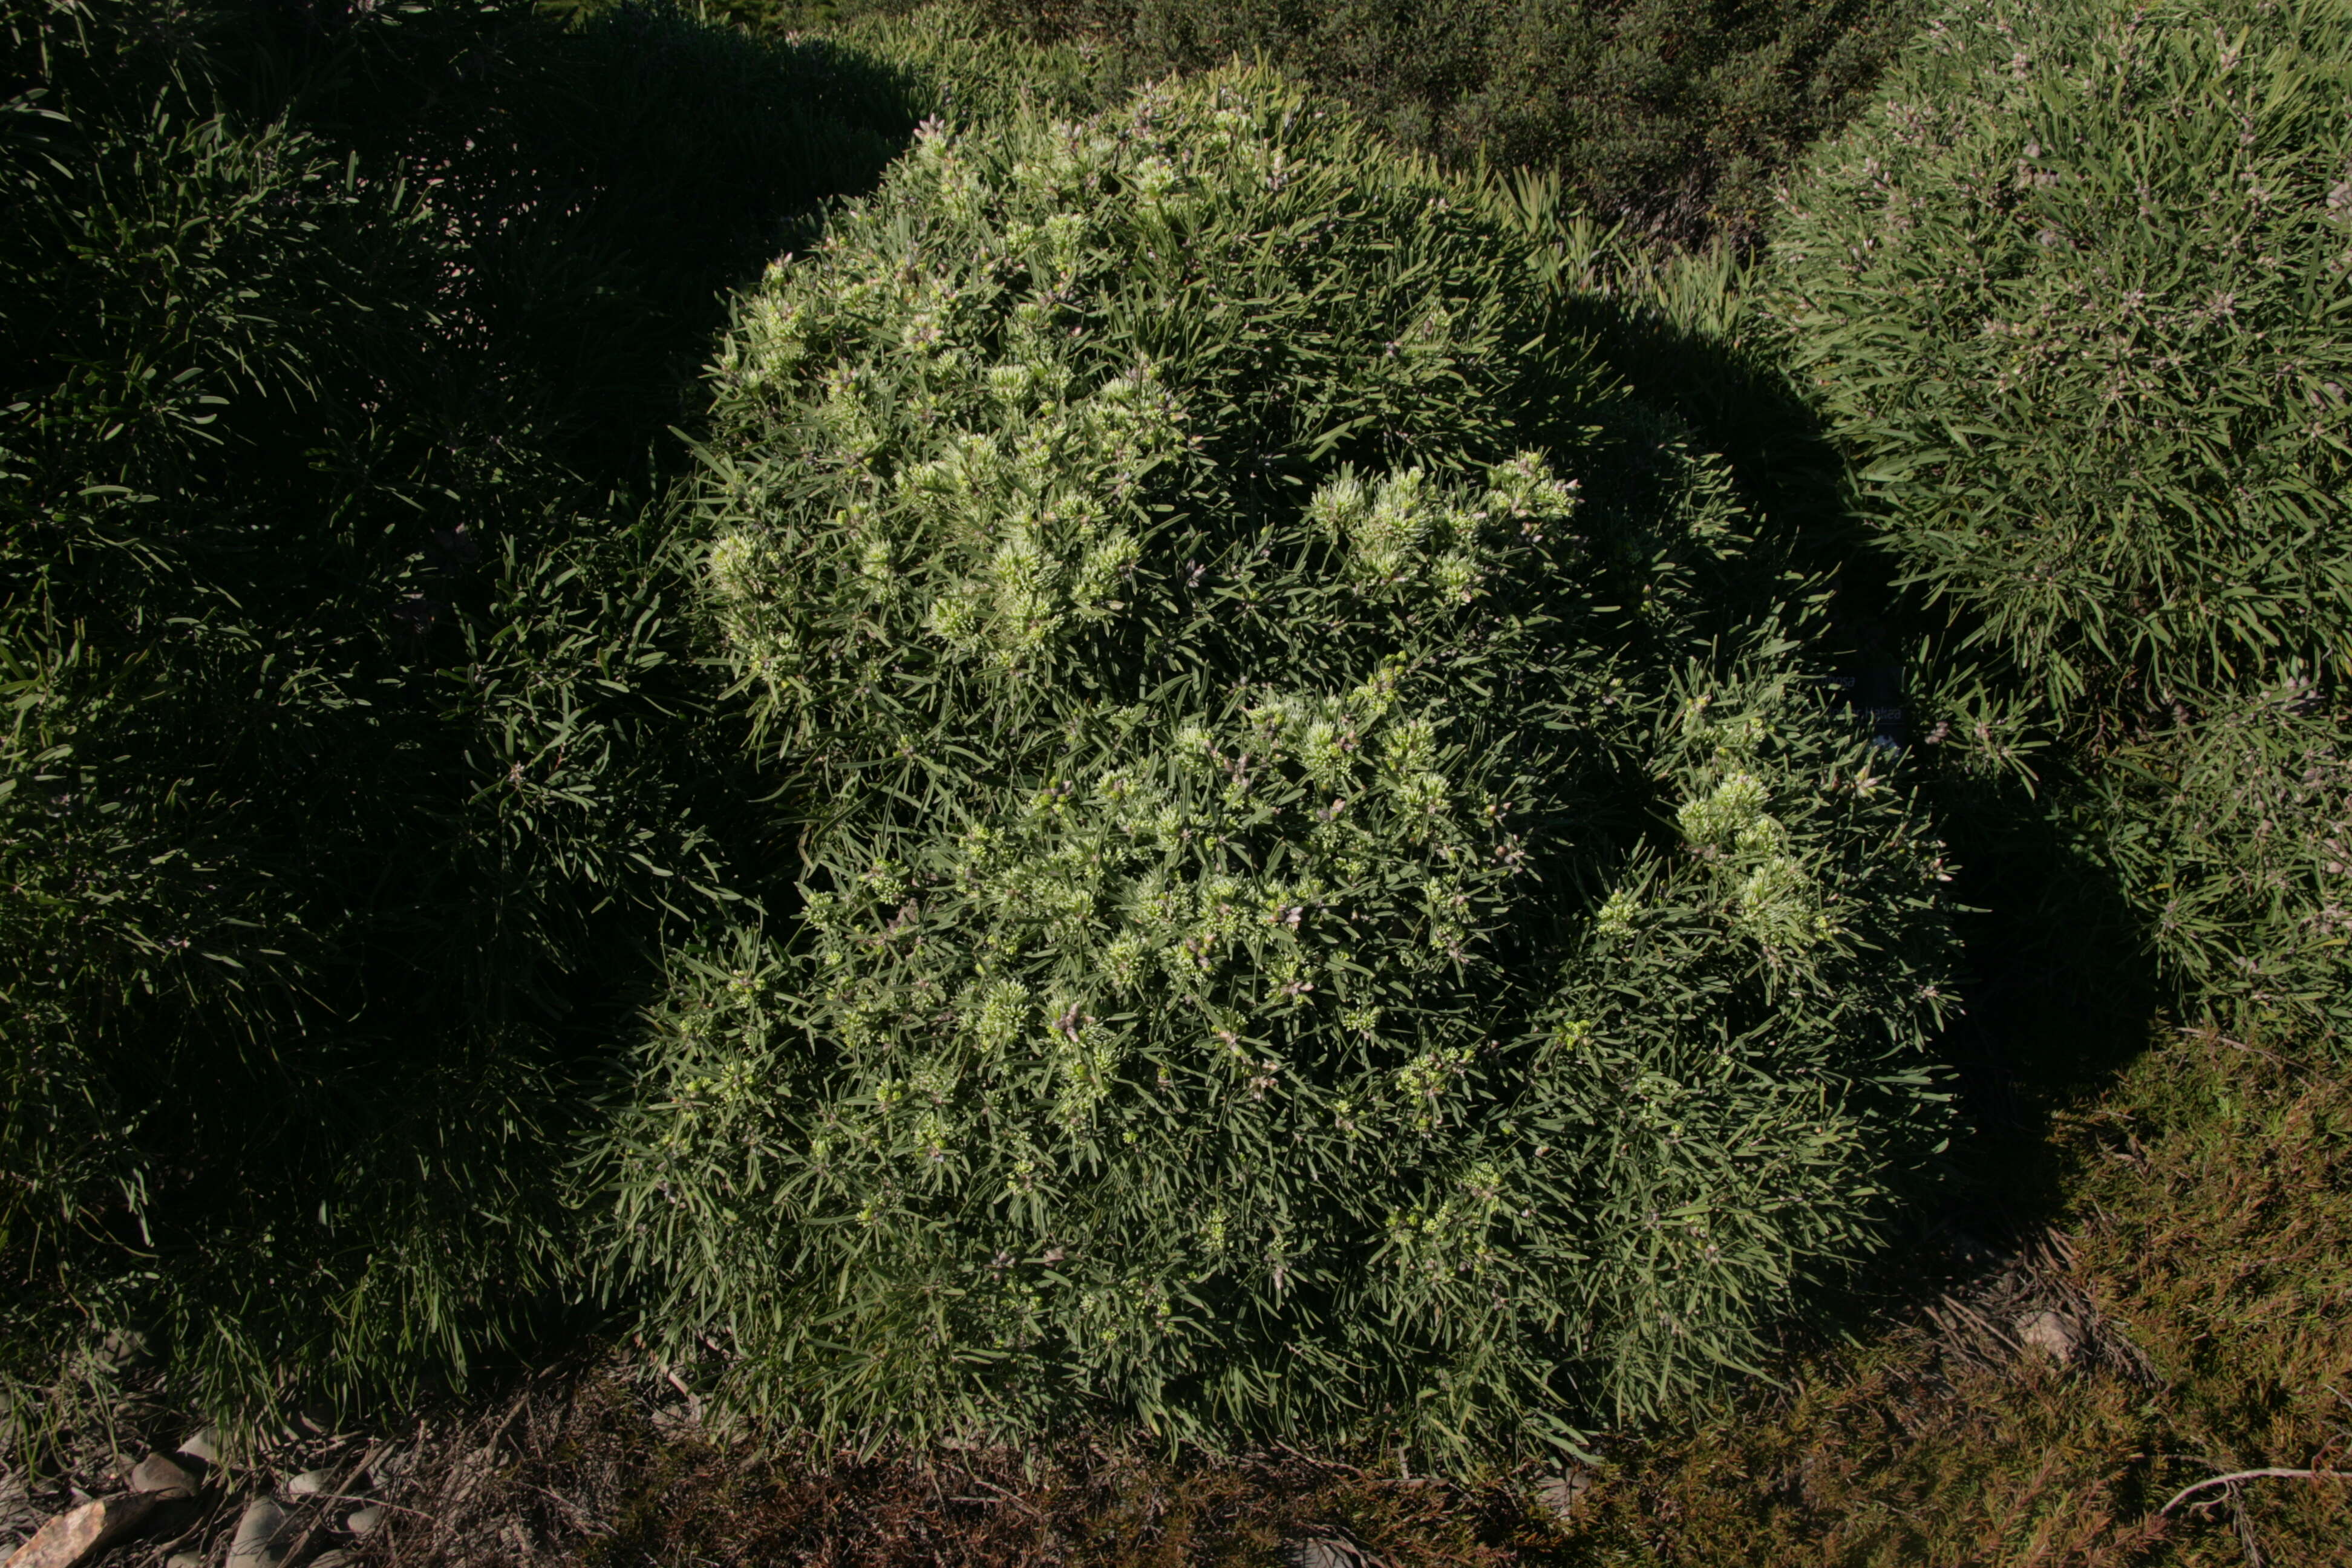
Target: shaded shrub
x,y
353,757
2073,302
1333,901
609,183
2231,834
1670,114
961,66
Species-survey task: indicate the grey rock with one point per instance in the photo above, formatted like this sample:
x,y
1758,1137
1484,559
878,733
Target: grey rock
x,y
185,1560
257,1544
365,1521
1321,1553
1560,1494
159,1474
2053,1333
311,1483
203,1446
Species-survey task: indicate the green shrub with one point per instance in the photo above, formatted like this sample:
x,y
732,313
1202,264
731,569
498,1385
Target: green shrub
x,y
1331,902
2074,300
961,67
355,764
2232,834
1674,115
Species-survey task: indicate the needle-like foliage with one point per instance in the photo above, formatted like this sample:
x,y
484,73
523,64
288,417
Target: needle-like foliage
x,y
1332,900
348,779
2076,297
2076,301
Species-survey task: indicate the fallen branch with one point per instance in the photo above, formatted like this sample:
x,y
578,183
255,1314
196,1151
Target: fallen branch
x,y
2206,1032
2253,1475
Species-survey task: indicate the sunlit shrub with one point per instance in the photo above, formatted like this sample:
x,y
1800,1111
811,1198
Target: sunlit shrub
x,y
1332,899
2073,299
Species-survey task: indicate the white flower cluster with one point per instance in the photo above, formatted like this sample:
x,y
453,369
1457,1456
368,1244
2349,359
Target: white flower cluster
x,y
1408,530
1044,506
1773,897
1113,881
1026,482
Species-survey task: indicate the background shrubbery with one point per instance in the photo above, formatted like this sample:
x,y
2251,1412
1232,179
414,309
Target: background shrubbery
x,y
2074,301
1671,115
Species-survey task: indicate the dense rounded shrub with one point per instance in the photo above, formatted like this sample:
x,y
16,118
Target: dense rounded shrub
x,y
1331,900
350,776
2074,300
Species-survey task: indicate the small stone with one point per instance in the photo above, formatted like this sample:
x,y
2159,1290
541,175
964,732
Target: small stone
x,y
2052,1334
1560,1494
364,1521
74,1538
311,1483
157,1473
124,1350
255,1545
1320,1553
185,1560
204,1447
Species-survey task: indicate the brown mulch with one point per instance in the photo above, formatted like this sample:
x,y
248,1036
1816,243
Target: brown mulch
x,y
601,1467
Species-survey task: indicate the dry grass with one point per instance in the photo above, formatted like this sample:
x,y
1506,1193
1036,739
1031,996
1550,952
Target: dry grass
x,y
599,1473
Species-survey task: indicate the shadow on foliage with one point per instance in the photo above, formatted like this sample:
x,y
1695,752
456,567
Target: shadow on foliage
x,y
2059,987
613,178
362,760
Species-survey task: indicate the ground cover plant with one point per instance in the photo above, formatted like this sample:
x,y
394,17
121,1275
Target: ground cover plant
x,y
352,755
1334,897
2204,1234
2073,301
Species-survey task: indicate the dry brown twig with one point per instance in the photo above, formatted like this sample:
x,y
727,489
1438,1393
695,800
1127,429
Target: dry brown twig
x,y
351,1472
1009,1497
2206,1032
2236,1476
